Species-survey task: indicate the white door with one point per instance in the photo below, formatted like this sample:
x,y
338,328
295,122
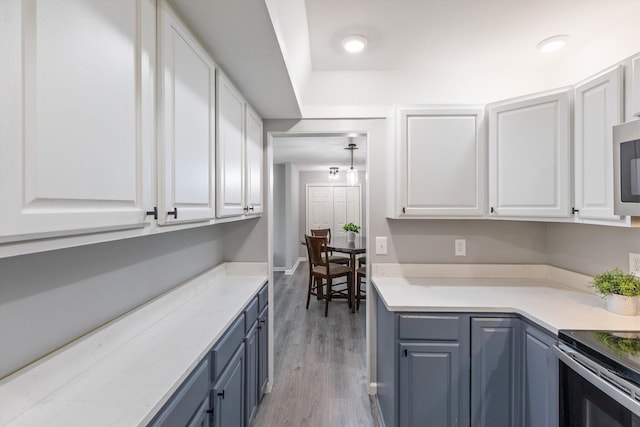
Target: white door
x,y
230,149
598,106
187,137
339,211
319,208
253,190
76,116
442,161
354,205
529,156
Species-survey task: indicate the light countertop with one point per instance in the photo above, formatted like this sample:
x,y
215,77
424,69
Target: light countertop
x,y
552,298
123,373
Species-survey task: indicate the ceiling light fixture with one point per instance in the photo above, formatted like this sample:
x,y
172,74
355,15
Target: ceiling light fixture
x,y
354,43
352,174
553,43
333,173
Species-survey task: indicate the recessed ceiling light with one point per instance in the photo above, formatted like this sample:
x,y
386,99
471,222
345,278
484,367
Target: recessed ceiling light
x,y
354,43
553,43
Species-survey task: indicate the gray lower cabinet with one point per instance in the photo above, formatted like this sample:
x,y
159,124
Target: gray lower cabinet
x,y
263,352
202,418
251,368
460,369
429,384
188,402
224,390
496,372
228,393
540,379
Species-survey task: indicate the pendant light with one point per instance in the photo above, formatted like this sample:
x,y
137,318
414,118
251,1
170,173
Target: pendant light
x,y
333,173
352,174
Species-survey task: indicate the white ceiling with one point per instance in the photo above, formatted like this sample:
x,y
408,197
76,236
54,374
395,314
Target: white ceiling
x,y
319,152
285,55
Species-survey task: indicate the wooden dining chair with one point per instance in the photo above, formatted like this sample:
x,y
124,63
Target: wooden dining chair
x,y
321,270
326,233
361,278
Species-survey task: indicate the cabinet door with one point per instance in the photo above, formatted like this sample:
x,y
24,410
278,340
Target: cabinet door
x,y
230,149
186,139
76,116
529,156
251,370
540,379
598,106
263,352
227,394
495,372
253,190
202,417
632,88
442,161
431,385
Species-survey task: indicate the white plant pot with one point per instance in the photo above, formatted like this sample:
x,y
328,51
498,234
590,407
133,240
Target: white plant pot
x,y
619,304
351,236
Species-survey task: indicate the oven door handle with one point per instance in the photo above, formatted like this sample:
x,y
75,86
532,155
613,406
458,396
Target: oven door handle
x,y
603,385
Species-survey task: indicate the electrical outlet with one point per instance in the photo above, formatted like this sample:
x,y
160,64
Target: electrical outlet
x,y
634,264
461,247
381,245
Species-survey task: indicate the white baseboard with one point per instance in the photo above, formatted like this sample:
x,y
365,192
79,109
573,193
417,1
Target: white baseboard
x,y
295,266
279,268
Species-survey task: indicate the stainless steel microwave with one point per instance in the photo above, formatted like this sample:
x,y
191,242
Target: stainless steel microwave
x,y
626,168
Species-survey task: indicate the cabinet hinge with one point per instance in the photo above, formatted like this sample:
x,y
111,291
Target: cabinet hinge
x,y
154,212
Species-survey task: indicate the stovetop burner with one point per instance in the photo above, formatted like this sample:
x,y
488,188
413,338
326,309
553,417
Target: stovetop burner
x,y
619,351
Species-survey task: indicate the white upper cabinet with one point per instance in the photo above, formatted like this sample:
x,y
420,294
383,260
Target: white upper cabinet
x,y
76,116
186,138
598,107
230,149
529,156
632,88
440,162
239,154
254,158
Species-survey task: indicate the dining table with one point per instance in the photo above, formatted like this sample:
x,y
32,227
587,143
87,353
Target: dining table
x,y
353,248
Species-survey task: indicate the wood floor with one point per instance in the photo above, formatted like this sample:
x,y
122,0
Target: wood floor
x,y
320,366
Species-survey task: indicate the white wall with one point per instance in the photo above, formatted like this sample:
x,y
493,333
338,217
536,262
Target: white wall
x,y
279,218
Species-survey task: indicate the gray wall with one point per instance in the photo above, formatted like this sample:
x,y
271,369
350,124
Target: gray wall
x,y
591,249
50,298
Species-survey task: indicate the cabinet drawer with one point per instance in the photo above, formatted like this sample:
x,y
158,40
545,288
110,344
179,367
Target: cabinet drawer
x,y
250,315
185,402
263,297
226,347
429,327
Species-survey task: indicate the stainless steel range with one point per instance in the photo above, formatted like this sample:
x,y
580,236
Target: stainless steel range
x,y
599,378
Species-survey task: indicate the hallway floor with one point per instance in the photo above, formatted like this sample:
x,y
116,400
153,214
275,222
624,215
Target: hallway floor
x,y
320,362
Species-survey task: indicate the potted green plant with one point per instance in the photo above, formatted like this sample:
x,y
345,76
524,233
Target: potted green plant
x,y
620,290
351,230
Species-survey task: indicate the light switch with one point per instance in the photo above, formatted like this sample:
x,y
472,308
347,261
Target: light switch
x,y
461,247
381,245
